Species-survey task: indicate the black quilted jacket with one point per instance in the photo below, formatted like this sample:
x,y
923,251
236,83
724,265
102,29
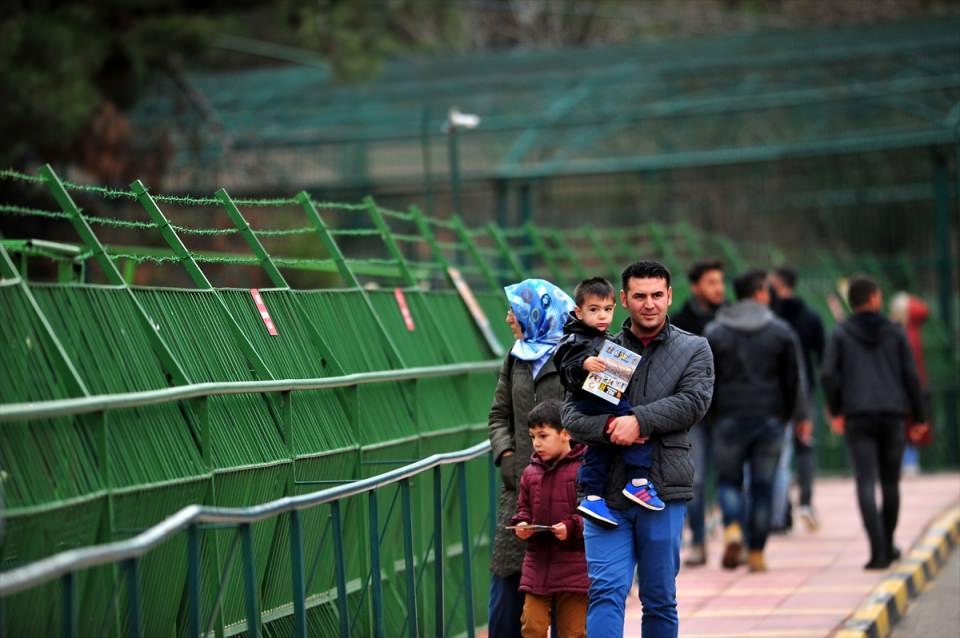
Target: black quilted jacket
x,y
670,391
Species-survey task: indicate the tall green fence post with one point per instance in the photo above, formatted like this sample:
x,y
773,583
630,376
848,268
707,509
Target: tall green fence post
x,y
250,581
193,580
343,610
410,568
299,592
134,630
439,552
69,619
467,549
376,586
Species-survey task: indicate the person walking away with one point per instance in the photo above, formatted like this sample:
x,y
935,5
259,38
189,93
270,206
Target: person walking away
x,y
528,376
707,295
799,440
871,384
554,575
669,392
757,391
911,313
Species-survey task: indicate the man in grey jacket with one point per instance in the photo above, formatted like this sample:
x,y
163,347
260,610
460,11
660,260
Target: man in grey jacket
x,y
758,389
670,391
871,384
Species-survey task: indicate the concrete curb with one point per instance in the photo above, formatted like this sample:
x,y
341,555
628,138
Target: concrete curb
x,y
888,601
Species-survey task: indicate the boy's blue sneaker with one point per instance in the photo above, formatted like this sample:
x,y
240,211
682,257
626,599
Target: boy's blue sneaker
x,y
642,492
595,508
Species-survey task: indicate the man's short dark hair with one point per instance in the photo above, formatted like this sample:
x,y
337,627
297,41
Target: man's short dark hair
x,y
702,267
787,275
547,412
748,283
860,289
593,287
644,269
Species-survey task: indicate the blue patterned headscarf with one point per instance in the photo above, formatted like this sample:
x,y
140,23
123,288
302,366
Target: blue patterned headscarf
x,y
541,310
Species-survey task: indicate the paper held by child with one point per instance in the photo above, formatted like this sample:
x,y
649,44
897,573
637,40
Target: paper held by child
x,y
613,381
535,528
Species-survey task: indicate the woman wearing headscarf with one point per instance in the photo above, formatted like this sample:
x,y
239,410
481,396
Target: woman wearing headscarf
x,y
527,377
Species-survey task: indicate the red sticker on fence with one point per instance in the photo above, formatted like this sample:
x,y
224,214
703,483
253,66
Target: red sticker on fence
x,y
264,313
404,309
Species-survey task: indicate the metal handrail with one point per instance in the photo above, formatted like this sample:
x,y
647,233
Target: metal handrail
x,y
99,403
45,570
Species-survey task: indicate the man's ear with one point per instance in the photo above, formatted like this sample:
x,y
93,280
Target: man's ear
x,y
623,298
669,295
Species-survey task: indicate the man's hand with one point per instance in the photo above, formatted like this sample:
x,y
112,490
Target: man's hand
x,y
594,364
625,430
523,532
836,424
560,531
804,431
916,432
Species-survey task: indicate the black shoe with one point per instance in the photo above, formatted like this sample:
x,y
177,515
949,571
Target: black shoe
x,y
878,563
894,554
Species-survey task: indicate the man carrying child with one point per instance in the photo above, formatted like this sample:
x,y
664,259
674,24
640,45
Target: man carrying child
x,y
669,391
585,333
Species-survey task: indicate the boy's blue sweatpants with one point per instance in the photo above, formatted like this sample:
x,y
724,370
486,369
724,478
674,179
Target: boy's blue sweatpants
x,y
594,471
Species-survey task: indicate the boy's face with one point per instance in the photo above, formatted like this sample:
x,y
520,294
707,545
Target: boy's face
x,y
596,312
550,443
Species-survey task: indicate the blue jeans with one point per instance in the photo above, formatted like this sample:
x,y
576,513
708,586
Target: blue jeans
x,y
506,606
781,483
736,441
702,450
645,542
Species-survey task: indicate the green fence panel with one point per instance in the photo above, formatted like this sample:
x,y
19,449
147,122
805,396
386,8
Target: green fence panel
x,y
163,571
244,428
37,533
240,487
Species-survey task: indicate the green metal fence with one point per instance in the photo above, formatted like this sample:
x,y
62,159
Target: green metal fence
x,y
332,276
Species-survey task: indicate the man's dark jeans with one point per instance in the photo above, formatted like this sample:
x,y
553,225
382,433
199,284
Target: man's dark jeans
x,y
736,441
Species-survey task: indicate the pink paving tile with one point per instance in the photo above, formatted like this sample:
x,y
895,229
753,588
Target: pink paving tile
x,y
815,579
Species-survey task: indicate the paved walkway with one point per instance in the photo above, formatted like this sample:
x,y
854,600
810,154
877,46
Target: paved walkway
x,y
815,580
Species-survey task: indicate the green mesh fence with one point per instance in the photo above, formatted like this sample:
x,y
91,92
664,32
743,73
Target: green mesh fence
x,y
63,492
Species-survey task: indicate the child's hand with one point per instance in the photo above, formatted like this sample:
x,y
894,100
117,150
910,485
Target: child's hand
x,y
560,531
522,532
594,364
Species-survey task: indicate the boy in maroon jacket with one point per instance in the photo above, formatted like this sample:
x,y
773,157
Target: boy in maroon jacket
x,y
554,566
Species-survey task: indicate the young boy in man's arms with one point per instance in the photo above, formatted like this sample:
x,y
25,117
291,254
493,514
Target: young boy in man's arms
x,y
576,357
554,567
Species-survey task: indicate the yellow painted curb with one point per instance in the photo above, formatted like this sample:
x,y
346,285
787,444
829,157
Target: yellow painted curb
x,y
888,601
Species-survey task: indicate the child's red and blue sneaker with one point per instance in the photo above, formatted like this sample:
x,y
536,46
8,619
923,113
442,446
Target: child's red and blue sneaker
x,y
643,493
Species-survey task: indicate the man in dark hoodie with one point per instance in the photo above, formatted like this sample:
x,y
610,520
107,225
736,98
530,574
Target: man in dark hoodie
x,y
707,295
757,391
809,328
871,384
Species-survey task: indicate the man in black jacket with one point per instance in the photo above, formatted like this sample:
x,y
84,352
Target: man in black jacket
x,y
670,391
809,329
871,384
707,295
758,389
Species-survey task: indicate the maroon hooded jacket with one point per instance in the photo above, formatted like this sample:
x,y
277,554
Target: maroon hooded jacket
x,y
547,496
